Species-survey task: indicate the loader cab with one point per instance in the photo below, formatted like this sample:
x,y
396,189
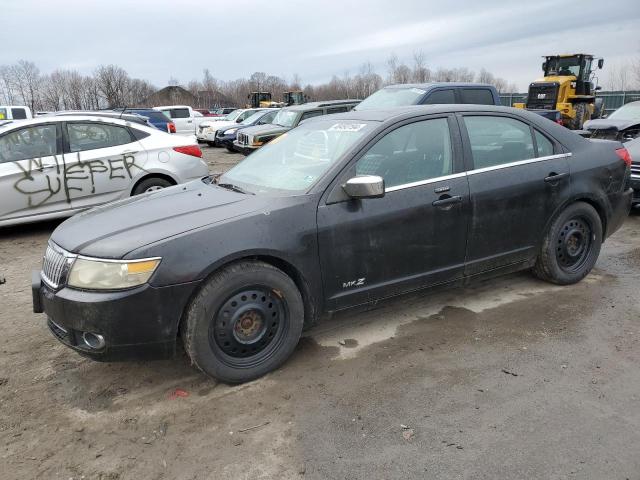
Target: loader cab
x,y
259,99
578,66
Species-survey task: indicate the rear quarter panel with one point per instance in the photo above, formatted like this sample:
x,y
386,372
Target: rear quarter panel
x,y
600,176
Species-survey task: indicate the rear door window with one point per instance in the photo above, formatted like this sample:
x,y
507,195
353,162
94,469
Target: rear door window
x,y
498,140
477,96
92,136
311,114
31,142
545,146
18,113
440,96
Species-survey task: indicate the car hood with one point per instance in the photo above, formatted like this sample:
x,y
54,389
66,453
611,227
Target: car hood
x,y
219,124
610,124
113,230
265,129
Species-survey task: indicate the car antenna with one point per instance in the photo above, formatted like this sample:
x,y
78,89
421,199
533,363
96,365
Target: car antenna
x,y
122,112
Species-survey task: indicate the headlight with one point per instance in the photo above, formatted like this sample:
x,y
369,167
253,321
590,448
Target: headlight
x,y
94,274
256,142
230,131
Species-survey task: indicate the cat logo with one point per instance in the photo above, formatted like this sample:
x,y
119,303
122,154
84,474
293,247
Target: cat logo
x,y
542,96
353,283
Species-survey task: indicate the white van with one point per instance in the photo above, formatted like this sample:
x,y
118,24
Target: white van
x,y
14,112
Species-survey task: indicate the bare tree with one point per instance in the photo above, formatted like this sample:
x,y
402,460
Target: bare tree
x,y
420,72
113,83
26,80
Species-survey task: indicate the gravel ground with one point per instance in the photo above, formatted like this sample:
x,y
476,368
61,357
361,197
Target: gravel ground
x,y
513,378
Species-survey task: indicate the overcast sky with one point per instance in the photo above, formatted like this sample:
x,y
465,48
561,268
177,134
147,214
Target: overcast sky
x,y
159,39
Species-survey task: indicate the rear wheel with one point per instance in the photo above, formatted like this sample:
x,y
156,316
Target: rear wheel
x,y
245,322
571,245
231,150
151,185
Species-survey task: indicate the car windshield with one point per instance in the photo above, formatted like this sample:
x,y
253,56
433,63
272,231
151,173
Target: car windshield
x,y
233,115
253,118
296,160
285,118
630,111
392,97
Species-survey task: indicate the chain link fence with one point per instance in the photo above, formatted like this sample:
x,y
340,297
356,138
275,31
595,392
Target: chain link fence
x,y
612,100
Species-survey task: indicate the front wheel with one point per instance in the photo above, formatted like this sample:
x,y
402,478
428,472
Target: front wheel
x,y
571,245
244,322
582,115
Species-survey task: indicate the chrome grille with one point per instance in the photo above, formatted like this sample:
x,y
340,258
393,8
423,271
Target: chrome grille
x,y
55,266
635,169
243,139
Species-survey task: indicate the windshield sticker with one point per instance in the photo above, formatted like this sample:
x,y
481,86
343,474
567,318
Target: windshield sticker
x,y
347,127
418,91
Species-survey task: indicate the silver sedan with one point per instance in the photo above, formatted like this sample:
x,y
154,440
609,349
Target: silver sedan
x,y
53,167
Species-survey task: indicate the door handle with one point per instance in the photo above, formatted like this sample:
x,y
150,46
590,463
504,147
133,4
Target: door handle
x,y
555,177
444,202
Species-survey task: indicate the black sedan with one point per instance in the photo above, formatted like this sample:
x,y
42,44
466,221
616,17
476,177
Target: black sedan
x,y
226,136
341,211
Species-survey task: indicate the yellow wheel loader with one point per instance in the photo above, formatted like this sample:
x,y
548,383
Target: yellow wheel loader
x,y
567,87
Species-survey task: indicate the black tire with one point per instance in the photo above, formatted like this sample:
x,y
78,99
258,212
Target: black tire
x,y
244,322
151,184
211,144
581,116
231,150
571,245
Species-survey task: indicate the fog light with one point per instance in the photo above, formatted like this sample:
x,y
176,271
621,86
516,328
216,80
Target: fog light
x,y
93,340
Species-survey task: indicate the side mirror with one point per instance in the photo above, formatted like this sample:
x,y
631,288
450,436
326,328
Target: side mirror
x,y
544,66
600,63
239,120
598,88
365,186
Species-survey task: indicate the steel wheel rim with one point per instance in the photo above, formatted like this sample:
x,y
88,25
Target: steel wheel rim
x,y
249,326
155,188
574,244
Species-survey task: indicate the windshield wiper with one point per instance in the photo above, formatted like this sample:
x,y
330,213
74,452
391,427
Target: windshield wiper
x,y
235,188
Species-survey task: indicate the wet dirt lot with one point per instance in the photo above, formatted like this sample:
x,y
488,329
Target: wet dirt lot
x,y
513,378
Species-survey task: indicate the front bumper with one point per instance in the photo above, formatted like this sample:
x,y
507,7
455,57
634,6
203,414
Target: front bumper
x,y
635,184
206,135
244,149
226,140
140,323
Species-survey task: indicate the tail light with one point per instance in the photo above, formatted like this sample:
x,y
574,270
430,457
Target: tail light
x,y
171,127
624,155
192,150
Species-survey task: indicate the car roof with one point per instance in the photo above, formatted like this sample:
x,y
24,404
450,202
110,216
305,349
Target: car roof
x,y
313,105
430,85
71,118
